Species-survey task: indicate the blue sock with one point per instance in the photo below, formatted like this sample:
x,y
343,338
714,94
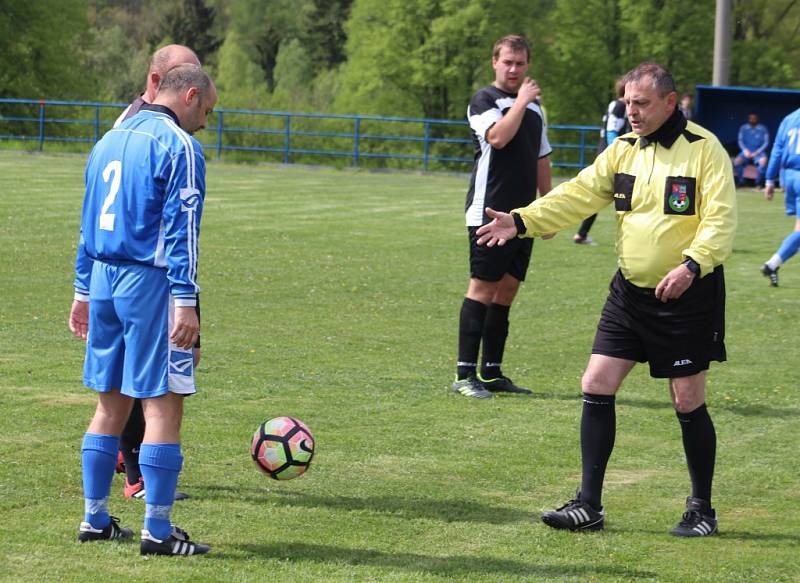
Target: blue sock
x,y
161,464
98,458
738,172
789,246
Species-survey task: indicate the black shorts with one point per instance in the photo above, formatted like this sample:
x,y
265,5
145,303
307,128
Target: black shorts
x,y
678,338
492,263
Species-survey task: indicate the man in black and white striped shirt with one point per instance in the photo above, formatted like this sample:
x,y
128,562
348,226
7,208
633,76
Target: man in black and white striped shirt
x,y
511,164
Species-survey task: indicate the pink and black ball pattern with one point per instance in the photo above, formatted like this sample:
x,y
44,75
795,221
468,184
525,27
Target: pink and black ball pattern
x,y
282,448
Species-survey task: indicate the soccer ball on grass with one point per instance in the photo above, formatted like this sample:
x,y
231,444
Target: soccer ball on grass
x,y
282,448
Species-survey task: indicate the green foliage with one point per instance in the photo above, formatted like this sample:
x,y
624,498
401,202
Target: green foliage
x,y
293,75
42,47
239,79
420,58
190,23
333,296
765,52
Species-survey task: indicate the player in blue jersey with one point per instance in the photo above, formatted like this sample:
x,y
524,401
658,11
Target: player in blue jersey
x,y
785,162
162,61
135,295
753,142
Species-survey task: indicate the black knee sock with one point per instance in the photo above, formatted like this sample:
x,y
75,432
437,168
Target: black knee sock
x,y
131,440
598,430
495,332
470,330
700,445
587,223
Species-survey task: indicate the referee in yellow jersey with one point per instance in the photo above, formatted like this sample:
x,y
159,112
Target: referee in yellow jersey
x,y
672,187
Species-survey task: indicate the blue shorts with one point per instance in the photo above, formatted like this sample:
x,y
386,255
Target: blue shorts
x,y
128,348
790,180
742,159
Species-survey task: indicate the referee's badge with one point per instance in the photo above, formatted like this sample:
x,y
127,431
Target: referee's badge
x,y
679,195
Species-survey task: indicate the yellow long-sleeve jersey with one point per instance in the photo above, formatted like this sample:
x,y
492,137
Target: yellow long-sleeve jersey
x,y
674,196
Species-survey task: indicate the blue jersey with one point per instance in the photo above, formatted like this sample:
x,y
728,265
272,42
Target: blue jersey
x,y
145,185
786,151
755,139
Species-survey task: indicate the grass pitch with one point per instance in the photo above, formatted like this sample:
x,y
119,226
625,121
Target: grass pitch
x,y
333,296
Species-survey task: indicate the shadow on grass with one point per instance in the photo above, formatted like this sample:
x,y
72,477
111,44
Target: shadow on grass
x,y
444,510
479,568
744,535
730,535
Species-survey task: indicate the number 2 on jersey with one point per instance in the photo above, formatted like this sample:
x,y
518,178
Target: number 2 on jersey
x,y
107,219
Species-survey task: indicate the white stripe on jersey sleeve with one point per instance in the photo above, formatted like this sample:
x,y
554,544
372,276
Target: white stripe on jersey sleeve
x,y
475,210
191,243
480,123
544,144
188,150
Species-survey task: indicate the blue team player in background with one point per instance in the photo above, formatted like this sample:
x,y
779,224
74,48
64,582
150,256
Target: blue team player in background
x,y
785,162
753,143
135,295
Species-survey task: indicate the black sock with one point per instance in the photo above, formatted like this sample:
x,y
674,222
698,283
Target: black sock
x,y
470,330
700,445
495,332
587,223
598,430
131,440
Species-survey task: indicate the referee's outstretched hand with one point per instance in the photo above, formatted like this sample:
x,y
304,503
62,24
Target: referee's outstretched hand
x,y
497,232
674,283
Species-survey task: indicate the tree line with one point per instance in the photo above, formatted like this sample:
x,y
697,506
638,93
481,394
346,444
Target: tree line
x,y
419,58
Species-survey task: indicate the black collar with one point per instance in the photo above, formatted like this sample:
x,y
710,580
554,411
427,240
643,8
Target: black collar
x,y
669,131
161,109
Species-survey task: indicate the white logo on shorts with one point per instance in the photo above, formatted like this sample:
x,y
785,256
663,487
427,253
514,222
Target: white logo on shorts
x,y
682,362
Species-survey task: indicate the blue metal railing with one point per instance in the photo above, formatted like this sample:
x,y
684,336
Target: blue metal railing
x,y
293,137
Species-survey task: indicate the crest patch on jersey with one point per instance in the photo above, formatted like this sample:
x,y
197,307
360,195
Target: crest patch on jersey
x,y
679,195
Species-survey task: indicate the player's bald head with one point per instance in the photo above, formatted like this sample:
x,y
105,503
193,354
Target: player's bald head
x,y
170,56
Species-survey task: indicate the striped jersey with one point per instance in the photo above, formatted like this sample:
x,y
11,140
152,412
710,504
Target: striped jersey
x,y
506,178
145,185
786,150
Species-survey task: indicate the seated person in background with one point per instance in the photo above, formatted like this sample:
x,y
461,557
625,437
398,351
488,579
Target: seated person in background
x,y
686,106
753,142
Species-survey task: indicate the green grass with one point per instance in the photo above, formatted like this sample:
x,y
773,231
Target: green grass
x,y
333,296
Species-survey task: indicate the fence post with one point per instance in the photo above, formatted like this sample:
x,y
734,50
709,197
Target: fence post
x,y
287,127
41,125
96,123
219,135
583,148
356,140
427,146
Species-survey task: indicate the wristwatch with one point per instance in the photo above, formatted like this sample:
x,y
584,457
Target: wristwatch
x,y
692,265
519,223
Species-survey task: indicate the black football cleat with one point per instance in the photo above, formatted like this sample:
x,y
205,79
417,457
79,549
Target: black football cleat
x,y
770,273
177,544
471,387
698,520
576,516
503,385
113,531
